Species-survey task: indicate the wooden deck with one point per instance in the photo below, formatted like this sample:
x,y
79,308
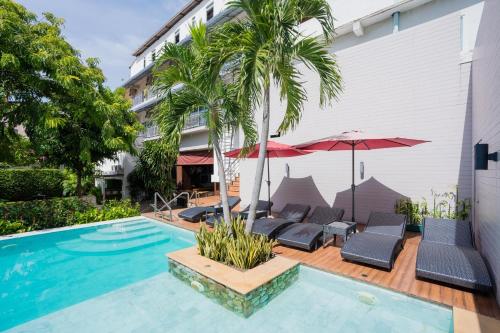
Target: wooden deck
x,y
401,278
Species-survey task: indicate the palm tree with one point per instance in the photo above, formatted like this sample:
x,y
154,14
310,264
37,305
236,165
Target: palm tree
x,y
266,45
186,83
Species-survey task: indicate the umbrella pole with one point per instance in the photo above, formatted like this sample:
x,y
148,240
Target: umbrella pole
x,y
268,187
353,187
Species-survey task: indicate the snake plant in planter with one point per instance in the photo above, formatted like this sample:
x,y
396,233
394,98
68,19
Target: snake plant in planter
x,y
233,246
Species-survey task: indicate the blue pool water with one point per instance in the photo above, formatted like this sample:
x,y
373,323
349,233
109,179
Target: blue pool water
x,y
113,278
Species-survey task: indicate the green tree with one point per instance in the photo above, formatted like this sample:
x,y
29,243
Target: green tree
x,y
187,84
71,117
35,65
89,130
266,46
153,171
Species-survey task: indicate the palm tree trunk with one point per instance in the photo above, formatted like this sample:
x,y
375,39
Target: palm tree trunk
x,y
264,134
222,178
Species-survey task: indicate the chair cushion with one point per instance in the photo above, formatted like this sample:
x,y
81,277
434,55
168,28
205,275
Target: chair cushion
x,y
269,227
458,265
325,215
386,224
373,249
194,214
301,235
294,212
446,231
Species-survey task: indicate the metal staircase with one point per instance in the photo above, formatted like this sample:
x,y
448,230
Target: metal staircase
x,y
231,165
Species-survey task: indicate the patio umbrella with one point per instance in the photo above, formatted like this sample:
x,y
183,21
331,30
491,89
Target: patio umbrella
x,y
357,140
274,150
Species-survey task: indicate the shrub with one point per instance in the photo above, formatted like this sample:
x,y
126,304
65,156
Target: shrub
x,y
42,214
153,171
26,184
52,213
7,228
110,211
233,246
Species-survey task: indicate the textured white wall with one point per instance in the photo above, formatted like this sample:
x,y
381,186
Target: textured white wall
x,y
409,84
183,25
486,127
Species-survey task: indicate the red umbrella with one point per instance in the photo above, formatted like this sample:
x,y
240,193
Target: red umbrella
x,y
357,140
274,150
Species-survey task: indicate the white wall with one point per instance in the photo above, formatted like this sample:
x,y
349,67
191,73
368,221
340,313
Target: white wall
x,y
486,127
410,84
183,25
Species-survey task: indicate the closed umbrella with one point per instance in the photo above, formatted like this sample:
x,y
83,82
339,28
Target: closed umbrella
x,y
357,140
274,150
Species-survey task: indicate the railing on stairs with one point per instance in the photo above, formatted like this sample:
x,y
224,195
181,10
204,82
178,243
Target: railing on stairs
x,y
231,165
159,211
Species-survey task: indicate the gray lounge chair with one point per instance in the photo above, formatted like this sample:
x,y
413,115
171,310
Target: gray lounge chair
x,y
446,254
262,210
196,214
291,213
307,235
215,214
379,243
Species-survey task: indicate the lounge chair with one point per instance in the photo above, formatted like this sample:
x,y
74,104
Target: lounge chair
x,y
307,235
216,212
262,210
379,243
270,227
446,254
196,214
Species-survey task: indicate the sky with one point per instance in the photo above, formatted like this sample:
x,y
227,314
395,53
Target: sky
x,y
110,30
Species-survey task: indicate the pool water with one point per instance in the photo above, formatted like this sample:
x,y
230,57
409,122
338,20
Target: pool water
x,y
114,278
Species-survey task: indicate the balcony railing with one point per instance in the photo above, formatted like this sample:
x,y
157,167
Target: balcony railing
x,y
196,119
150,131
144,96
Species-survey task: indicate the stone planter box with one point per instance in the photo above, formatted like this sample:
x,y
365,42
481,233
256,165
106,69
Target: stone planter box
x,y
242,292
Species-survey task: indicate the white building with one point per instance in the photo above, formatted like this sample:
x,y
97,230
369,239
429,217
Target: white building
x,y
406,71
195,168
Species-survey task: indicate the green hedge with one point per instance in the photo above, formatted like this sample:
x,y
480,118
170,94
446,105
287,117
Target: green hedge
x,y
26,184
52,213
42,214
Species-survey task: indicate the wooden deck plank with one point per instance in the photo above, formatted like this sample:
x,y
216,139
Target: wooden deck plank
x,y
401,278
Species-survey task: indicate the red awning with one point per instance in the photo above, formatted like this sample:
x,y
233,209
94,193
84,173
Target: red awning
x,y
195,158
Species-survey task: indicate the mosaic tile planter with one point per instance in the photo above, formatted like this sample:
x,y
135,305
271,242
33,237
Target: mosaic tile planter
x,y
242,292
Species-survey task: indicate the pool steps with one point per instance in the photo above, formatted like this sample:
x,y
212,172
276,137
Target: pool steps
x,y
115,239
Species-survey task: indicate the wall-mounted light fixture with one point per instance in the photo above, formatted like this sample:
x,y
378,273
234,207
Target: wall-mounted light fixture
x,y
362,170
287,170
481,156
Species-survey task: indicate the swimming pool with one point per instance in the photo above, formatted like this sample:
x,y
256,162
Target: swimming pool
x,y
113,278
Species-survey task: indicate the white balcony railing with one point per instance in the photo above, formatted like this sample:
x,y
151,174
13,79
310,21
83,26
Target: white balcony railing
x,y
144,96
196,119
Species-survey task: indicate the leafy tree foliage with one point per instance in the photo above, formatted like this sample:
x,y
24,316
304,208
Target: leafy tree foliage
x,y
154,169
266,47
187,84
71,117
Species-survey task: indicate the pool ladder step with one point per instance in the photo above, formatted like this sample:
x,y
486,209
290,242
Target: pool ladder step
x,y
83,247
120,237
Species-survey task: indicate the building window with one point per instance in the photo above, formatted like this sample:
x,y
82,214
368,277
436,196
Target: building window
x,y
144,62
153,55
193,21
177,36
210,11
